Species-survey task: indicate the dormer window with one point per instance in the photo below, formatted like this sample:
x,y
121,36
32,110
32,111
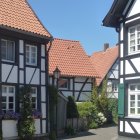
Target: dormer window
x,y
134,39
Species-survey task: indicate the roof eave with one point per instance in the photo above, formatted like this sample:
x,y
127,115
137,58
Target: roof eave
x,y
26,32
114,14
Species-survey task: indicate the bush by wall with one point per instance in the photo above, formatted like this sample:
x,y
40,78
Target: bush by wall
x,y
72,111
26,124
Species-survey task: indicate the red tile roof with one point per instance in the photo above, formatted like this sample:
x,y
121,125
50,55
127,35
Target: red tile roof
x,y
103,61
18,14
70,58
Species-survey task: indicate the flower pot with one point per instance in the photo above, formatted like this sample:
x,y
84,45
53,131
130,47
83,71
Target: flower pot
x,y
9,128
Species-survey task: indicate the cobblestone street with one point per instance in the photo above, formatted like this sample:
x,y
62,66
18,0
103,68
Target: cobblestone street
x,y
107,133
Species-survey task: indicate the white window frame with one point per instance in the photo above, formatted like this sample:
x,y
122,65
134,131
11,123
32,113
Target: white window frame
x,y
67,80
7,60
7,94
35,96
116,85
135,92
136,40
30,55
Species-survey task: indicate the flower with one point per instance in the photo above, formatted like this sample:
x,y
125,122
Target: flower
x,y
10,115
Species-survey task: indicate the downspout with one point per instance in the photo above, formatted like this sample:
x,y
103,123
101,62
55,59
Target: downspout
x,y
47,83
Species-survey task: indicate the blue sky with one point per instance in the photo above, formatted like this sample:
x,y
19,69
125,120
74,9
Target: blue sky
x,y
77,20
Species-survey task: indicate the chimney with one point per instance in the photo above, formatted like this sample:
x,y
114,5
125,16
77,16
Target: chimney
x,y
106,46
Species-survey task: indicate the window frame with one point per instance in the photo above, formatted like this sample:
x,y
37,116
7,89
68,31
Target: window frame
x,y
135,39
135,92
68,83
116,86
7,94
6,60
35,96
30,53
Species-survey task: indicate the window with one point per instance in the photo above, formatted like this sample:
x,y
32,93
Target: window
x,y
134,39
7,50
31,55
64,83
115,87
34,97
8,98
134,99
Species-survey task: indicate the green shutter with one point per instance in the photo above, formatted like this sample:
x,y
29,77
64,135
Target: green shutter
x,y
121,101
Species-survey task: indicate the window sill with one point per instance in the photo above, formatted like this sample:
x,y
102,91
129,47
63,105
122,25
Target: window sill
x,y
133,117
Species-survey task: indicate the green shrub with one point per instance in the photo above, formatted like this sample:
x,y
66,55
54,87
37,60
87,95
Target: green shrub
x,y
72,111
52,135
26,126
93,125
69,130
113,109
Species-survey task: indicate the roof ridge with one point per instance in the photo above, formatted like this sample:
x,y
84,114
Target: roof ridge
x,y
102,51
65,39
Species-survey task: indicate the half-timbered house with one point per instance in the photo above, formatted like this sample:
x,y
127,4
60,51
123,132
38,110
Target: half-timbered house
x,y
124,16
23,57
77,72
106,64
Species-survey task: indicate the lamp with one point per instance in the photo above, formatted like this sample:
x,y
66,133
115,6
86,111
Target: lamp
x,y
56,73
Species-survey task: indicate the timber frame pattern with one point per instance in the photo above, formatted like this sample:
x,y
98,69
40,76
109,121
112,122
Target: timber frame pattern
x,y
124,15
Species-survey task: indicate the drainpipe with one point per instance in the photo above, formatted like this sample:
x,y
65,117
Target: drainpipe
x,y
47,83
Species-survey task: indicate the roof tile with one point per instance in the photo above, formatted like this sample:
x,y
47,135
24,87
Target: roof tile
x,y
103,61
70,58
19,15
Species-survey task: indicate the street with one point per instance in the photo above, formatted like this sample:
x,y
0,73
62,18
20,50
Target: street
x,y
107,133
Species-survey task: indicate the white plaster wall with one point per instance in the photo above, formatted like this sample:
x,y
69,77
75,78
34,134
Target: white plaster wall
x,y
128,68
121,80
43,108
13,76
21,62
136,63
43,64
135,8
84,96
121,67
43,93
42,50
128,129
37,126
36,77
121,50
43,126
87,86
21,46
67,93
136,126
5,71
21,74
121,31
9,128
121,126
43,78
29,73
